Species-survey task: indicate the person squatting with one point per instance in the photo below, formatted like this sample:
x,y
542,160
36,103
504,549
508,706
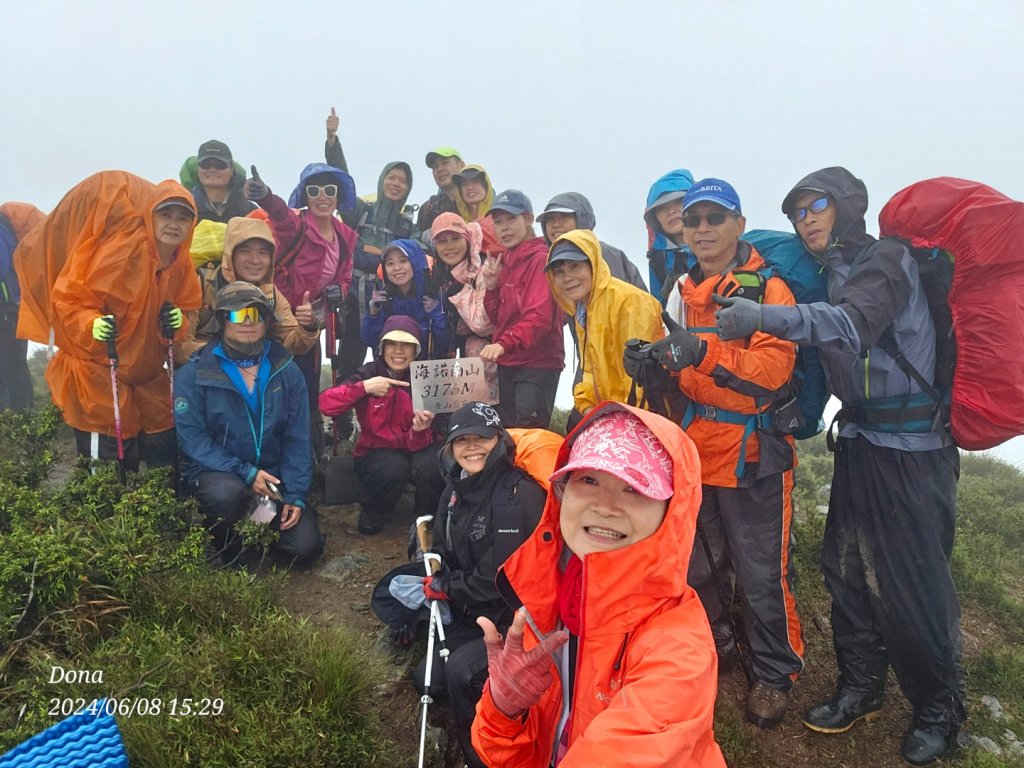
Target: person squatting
x,y
608,560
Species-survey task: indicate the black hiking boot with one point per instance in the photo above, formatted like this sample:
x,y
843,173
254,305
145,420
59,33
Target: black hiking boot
x,y
926,742
845,708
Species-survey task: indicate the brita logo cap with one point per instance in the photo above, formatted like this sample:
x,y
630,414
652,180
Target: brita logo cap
x,y
713,191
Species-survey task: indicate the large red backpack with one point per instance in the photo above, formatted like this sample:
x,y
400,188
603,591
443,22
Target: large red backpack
x,y
968,240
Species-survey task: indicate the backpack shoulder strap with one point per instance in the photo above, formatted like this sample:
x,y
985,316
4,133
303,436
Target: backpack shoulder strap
x,y
293,247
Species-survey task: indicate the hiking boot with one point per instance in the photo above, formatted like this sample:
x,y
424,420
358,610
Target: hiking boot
x,y
845,708
369,524
925,743
766,705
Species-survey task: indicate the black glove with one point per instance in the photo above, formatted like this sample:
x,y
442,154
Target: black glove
x,y
680,349
637,352
255,188
402,636
333,297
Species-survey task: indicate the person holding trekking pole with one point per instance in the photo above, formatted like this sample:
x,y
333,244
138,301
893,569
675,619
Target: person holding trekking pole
x,y
892,510
747,461
609,656
112,262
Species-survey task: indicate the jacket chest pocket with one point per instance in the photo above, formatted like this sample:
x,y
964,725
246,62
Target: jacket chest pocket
x,y
509,531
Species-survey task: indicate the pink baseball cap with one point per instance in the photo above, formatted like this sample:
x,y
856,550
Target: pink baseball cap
x,y
449,222
622,445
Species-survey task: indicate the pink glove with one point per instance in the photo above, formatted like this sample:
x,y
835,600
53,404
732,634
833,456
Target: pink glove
x,y
517,678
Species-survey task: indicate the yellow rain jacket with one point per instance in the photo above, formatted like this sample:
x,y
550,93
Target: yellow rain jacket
x,y
616,312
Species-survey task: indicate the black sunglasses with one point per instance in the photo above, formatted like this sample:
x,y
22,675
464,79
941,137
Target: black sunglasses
x,y
716,219
816,206
213,164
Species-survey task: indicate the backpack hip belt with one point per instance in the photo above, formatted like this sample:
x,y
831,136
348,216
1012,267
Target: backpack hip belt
x,y
749,421
903,413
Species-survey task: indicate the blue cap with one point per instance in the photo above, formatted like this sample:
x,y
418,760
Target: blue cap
x,y
512,201
713,191
565,250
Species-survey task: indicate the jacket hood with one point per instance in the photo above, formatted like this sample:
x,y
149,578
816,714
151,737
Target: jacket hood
x,y
488,200
240,229
677,181
578,204
850,196
381,200
346,186
586,241
620,585
414,252
166,190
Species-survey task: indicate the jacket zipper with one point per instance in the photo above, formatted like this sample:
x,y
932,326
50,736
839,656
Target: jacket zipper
x,y
262,405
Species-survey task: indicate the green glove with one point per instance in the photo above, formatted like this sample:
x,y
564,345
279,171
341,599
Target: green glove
x,y
170,319
104,328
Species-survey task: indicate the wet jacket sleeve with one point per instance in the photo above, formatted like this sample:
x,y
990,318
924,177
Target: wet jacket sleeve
x,y
296,462
438,323
195,440
286,329
373,325
285,222
876,291
335,155
537,310
760,368
188,346
476,586
336,400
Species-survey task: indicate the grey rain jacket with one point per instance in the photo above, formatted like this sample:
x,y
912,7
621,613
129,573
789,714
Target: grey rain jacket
x,y
872,285
621,267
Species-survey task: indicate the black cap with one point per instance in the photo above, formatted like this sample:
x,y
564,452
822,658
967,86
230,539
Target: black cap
x,y
214,149
474,419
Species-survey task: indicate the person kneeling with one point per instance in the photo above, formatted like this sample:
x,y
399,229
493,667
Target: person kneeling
x,y
610,656
242,417
395,443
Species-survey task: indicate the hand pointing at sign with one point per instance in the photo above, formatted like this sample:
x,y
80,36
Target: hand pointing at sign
x,y
378,386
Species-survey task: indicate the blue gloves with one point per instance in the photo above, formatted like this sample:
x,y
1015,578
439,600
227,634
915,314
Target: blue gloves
x,y
738,318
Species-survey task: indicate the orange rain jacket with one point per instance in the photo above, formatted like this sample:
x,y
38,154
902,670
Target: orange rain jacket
x,y
616,313
646,674
742,375
94,255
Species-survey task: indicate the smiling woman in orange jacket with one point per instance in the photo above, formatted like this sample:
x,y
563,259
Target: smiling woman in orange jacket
x,y
103,251
641,690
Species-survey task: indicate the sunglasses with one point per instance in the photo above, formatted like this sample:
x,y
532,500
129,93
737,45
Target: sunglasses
x,y
213,164
817,206
239,316
716,219
327,190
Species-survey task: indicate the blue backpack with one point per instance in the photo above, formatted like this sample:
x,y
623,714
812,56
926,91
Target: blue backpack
x,y
789,260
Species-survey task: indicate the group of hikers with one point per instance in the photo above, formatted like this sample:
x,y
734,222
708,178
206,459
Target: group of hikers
x,y
612,574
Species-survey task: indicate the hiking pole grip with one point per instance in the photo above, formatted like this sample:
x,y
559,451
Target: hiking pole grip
x,y
423,538
112,351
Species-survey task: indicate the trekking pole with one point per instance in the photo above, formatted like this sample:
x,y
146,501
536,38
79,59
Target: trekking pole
x,y
726,606
432,563
170,377
113,359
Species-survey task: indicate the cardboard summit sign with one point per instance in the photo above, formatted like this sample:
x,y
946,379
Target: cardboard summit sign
x,y
443,386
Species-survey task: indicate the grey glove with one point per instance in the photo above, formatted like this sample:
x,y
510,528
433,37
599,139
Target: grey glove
x,y
738,318
680,349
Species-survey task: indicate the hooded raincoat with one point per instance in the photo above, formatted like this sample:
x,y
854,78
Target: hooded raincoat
x,y
485,204
646,670
203,324
615,312
96,254
306,261
433,324
621,267
665,259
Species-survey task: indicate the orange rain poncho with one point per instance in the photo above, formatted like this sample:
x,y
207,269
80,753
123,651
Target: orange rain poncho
x,y
96,254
